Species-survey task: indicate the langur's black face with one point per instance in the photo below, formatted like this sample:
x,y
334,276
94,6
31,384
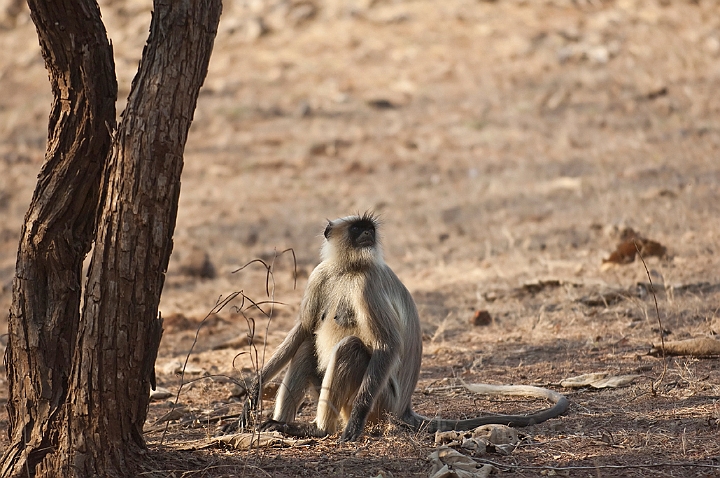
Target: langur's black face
x,y
353,233
362,233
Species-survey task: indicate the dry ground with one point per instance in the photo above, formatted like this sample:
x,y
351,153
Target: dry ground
x,y
505,144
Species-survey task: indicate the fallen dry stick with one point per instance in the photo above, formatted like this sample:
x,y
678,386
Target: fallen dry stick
x,y
697,347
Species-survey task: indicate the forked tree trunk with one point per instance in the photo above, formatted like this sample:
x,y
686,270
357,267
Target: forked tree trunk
x,y
92,425
59,226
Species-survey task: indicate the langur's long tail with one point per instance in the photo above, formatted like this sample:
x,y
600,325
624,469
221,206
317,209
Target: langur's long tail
x,y
431,425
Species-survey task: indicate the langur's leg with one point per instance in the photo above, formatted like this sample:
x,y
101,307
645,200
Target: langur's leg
x,y
343,377
340,384
301,373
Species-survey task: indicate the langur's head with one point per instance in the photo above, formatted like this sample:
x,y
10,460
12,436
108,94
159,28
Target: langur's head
x,y
352,241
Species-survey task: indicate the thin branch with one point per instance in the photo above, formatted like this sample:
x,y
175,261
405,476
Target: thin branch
x,y
504,467
269,269
657,311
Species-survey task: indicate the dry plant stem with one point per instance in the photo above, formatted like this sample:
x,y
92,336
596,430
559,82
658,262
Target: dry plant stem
x,y
258,363
219,305
657,311
269,269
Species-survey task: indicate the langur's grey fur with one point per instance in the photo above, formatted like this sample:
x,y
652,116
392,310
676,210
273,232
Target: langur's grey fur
x,y
358,341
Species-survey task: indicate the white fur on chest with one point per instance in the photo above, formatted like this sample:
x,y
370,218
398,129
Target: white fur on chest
x,y
331,331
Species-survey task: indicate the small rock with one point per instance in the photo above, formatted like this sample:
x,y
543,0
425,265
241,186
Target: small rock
x,y
176,367
381,104
302,12
481,318
303,110
255,28
198,264
160,393
177,322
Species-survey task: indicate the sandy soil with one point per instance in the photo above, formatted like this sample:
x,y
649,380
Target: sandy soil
x,y
506,145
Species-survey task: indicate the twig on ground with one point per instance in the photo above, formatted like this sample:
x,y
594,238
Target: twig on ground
x,y
506,467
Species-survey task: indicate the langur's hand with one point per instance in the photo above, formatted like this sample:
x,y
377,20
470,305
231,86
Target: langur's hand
x,y
350,434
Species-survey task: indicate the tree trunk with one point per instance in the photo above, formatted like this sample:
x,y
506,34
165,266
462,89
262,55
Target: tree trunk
x,y
59,226
96,426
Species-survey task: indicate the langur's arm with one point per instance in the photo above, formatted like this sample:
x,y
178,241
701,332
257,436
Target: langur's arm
x,y
282,356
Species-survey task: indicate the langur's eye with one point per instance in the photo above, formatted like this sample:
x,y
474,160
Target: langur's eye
x,y
327,231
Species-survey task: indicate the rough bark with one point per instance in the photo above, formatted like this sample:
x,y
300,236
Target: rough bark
x,y
119,334
79,388
59,226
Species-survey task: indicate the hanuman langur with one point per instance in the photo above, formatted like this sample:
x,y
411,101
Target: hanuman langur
x,y
358,341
